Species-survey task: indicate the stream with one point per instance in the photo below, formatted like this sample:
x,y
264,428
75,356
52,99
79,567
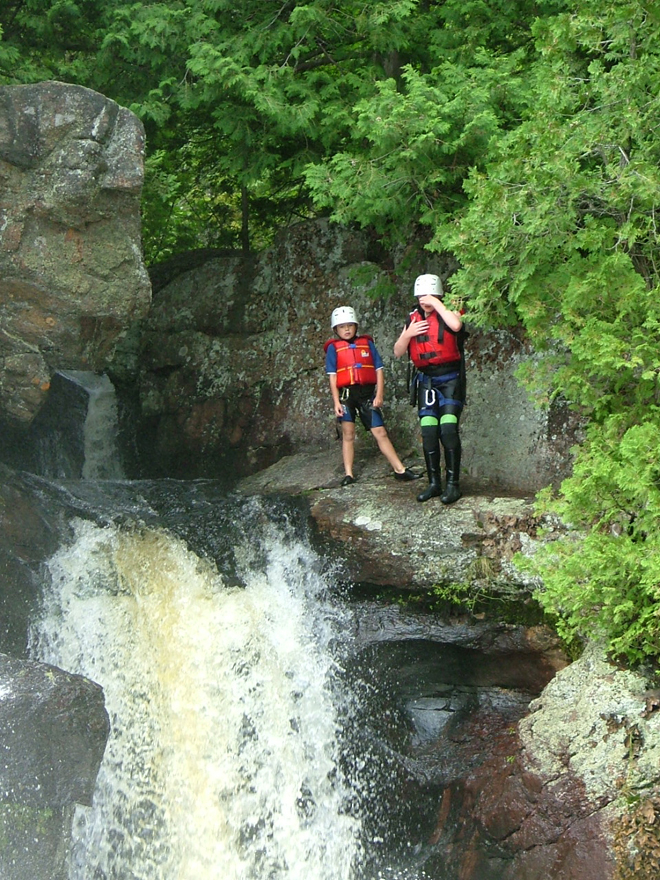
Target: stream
x,y
268,721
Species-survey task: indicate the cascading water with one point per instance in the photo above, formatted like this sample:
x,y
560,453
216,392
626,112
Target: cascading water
x,y
263,725
101,461
83,444
223,759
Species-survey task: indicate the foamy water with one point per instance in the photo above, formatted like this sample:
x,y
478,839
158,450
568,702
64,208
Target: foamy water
x,y
222,761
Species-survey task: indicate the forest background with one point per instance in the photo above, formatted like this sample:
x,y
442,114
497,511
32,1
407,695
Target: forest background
x,y
520,138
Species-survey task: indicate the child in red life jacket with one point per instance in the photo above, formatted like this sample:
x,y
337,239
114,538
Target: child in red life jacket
x,y
355,373
432,337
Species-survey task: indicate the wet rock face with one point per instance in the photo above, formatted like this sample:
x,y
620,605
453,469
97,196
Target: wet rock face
x,y
501,822
53,729
449,698
551,799
71,271
231,365
27,537
520,765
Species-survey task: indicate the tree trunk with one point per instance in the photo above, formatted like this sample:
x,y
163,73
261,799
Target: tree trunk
x,y
245,212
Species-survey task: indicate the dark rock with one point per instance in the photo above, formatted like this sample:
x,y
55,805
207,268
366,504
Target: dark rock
x,y
53,730
28,536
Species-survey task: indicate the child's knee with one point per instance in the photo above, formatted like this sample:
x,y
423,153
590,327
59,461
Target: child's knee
x,y
449,436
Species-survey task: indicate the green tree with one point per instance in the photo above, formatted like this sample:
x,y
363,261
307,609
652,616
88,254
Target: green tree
x,y
241,101
236,101
560,233
416,135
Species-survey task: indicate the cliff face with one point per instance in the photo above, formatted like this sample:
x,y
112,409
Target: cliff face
x,y
71,271
71,281
571,789
227,366
230,365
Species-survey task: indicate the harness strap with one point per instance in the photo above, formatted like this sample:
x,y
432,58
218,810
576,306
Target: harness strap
x,y
431,393
429,381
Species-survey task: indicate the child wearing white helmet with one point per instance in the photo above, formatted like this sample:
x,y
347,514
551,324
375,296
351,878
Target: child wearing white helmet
x,y
355,372
433,338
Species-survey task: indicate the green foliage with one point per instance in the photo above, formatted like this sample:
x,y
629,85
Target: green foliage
x,y
415,135
559,233
561,220
375,111
603,581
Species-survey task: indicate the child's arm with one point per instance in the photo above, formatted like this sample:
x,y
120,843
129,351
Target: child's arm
x,y
379,396
338,408
452,319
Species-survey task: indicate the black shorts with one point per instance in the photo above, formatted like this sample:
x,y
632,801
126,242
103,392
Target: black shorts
x,y
357,400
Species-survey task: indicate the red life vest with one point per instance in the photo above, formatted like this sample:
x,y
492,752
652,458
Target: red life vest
x,y
438,346
355,364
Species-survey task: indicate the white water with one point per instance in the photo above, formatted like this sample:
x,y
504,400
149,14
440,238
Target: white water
x,y
222,761
100,427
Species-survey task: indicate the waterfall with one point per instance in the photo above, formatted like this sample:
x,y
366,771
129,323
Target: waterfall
x,y
265,723
224,704
101,460
75,434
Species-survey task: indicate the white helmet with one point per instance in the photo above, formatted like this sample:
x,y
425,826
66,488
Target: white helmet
x,y
428,285
343,315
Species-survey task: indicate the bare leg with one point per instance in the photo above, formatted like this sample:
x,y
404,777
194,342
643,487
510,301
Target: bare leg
x,y
385,445
348,446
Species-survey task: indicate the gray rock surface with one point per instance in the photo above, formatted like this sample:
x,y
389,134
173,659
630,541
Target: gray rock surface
x,y
594,721
388,538
71,272
230,363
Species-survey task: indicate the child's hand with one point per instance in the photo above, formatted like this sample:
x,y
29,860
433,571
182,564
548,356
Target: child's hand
x,y
377,401
417,328
430,300
339,410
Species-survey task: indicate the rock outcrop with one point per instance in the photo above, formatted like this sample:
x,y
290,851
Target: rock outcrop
x,y
53,729
71,272
71,281
231,371
387,538
542,796
553,799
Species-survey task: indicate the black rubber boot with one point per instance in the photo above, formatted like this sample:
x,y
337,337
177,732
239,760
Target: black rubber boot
x,y
432,460
453,461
